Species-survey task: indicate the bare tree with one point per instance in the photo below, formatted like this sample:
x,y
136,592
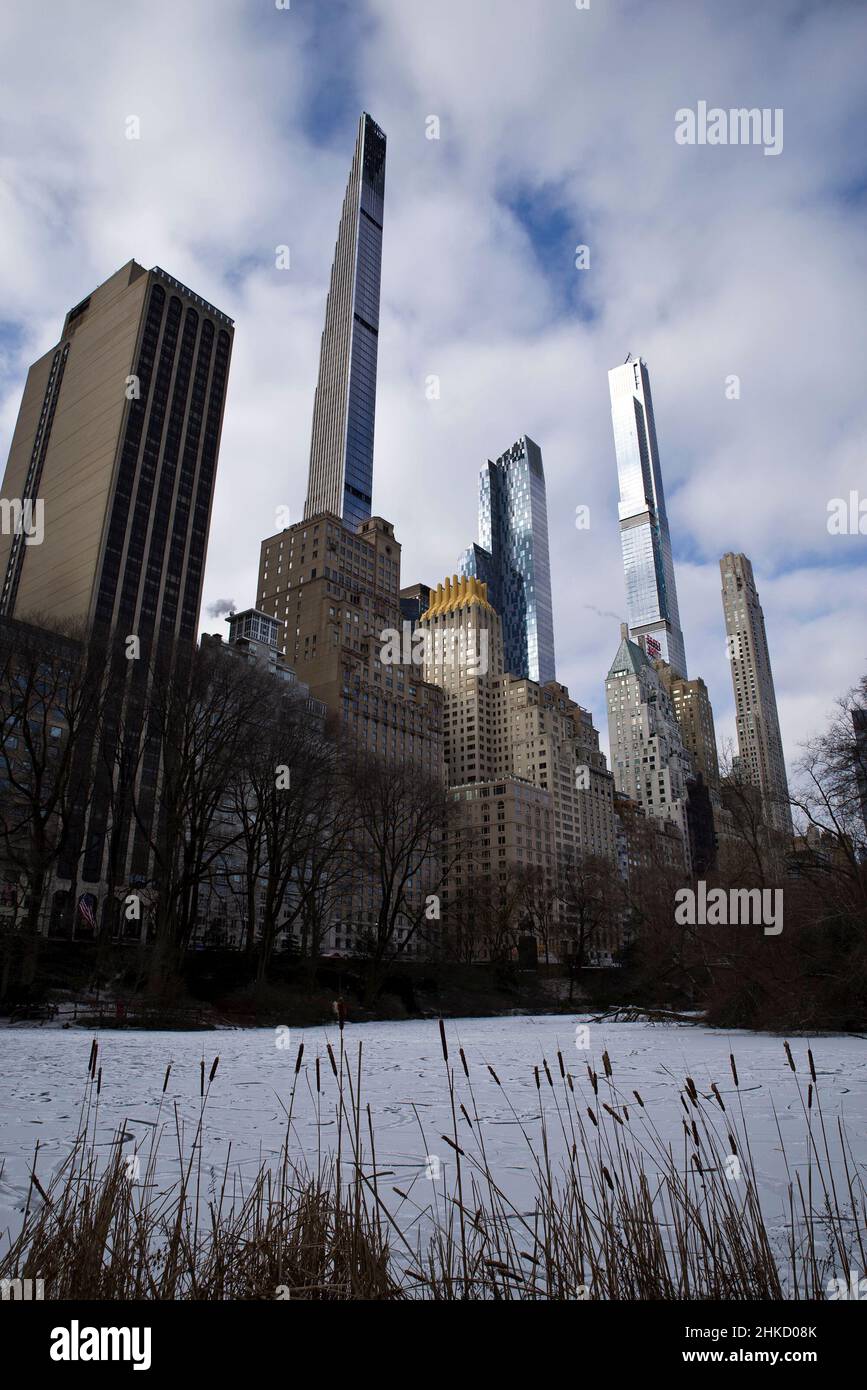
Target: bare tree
x,y
399,816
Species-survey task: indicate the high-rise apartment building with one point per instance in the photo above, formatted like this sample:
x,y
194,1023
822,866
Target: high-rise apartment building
x,y
651,595
505,734
337,592
117,437
341,446
694,713
512,558
648,758
760,747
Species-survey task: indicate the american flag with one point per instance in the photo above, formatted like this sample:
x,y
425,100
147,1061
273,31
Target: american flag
x,y
85,907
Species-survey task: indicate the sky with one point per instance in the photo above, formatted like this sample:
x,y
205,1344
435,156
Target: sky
x,y
556,130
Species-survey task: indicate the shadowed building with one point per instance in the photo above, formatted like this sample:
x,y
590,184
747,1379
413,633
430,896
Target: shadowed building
x,y
117,437
118,434
648,758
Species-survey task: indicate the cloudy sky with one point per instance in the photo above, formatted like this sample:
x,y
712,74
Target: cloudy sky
x,y
556,130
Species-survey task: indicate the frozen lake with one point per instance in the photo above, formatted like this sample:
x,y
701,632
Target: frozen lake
x,y
45,1069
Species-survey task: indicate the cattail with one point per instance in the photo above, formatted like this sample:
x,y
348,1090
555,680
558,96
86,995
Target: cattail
x,y
810,1096
443,1041
715,1088
734,1069
464,1063
594,1080
692,1092
329,1050
318,1087
547,1073
570,1081
697,1163
536,1074
560,1065
99,1081
214,1070
166,1077
733,1145
466,1117
812,1065
606,1062
202,1077
789,1056
494,1074
612,1113
683,1103
593,1117
91,1064
298,1059
607,1176
695,1133
638,1098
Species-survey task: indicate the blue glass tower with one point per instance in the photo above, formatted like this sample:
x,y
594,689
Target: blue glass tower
x,y
651,595
512,558
341,445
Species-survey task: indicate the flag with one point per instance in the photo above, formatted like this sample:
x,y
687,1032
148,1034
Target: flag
x,y
86,904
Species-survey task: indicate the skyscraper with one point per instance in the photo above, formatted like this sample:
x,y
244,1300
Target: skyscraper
x,y
694,714
760,747
648,758
341,446
117,436
651,595
512,558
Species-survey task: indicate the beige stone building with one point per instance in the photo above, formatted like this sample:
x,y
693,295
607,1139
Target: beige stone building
x,y
502,734
336,592
761,762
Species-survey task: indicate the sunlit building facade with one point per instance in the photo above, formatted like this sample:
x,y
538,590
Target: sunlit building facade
x,y
651,594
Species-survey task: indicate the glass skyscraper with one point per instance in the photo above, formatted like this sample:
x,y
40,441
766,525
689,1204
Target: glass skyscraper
x,y
341,446
651,595
512,558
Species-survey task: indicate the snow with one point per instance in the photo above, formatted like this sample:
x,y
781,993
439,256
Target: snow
x,y
45,1071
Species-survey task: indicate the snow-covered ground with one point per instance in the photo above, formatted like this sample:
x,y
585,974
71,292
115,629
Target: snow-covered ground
x,y
44,1076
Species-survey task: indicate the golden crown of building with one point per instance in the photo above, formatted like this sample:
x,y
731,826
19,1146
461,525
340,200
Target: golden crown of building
x,y
457,593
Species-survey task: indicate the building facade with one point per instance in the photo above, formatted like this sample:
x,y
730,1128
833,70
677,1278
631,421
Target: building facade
x,y
512,558
648,758
651,594
344,408
118,435
504,733
760,747
336,592
694,713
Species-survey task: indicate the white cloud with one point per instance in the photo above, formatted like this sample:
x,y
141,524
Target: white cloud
x,y
709,261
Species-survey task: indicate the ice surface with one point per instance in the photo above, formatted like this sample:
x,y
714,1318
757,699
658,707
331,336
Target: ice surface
x,y
44,1075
